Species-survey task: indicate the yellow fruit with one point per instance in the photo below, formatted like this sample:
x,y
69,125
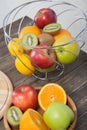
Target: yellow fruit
x,y
23,64
32,120
49,93
14,47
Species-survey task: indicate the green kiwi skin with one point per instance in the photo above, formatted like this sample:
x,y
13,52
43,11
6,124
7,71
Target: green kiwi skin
x,y
13,116
52,28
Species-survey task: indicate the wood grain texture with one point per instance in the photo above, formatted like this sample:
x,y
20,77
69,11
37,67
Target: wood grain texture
x,y
74,79
6,89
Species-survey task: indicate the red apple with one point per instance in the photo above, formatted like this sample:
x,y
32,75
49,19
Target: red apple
x,y
42,56
45,16
24,97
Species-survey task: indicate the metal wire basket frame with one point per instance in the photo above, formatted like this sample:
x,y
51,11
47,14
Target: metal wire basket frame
x,y
80,19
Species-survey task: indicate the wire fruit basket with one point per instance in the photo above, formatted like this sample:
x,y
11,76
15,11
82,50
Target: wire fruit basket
x,y
71,18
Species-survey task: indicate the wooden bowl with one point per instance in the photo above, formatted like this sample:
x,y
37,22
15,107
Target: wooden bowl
x,y
70,103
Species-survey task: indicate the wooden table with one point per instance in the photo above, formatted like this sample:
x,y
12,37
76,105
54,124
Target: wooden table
x,y
74,80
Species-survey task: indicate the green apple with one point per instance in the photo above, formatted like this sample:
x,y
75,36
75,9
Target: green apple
x,y
58,116
66,53
50,69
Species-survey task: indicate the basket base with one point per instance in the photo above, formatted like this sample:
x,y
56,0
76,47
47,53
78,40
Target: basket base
x,y
57,72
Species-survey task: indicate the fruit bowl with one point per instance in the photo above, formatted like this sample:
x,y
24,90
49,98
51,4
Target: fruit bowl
x,y
70,103
71,18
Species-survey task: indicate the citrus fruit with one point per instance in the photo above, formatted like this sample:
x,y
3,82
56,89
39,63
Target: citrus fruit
x,y
49,93
23,65
32,120
14,47
29,29
61,33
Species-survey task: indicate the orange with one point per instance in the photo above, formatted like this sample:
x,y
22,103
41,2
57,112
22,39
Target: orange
x,y
32,120
14,47
23,65
61,33
33,29
49,93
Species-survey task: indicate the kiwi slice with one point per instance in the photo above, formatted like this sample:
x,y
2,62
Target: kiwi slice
x,y
52,28
46,38
29,41
13,116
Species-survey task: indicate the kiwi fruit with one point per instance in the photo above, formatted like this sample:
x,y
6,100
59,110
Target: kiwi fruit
x,y
46,38
13,116
52,28
29,41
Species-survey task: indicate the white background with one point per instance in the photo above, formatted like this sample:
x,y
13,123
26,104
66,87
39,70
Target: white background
x,y
7,5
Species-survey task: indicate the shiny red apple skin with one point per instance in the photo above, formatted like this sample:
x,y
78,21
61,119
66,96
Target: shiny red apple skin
x,y
25,97
45,16
41,57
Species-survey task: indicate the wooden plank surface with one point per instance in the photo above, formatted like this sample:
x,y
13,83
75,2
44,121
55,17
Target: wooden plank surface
x,y
74,79
6,89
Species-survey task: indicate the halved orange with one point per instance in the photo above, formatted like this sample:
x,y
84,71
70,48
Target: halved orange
x,y
49,93
32,120
33,29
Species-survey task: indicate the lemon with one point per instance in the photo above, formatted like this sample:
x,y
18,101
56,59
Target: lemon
x,y
23,65
14,47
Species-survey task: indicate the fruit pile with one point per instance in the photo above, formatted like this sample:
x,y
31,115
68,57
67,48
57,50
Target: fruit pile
x,y
42,108
40,46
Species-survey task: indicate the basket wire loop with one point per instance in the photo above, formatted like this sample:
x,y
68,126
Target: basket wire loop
x,y
25,4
